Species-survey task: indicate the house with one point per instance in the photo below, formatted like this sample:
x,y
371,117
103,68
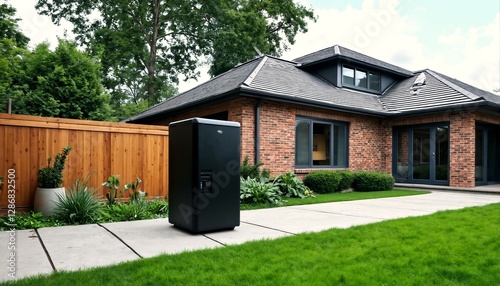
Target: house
x,y
340,109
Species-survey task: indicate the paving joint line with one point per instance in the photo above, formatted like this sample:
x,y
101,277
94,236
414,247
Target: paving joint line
x,y
259,225
335,213
214,240
46,251
121,240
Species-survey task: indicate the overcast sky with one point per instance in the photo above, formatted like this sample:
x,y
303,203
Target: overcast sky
x,y
460,38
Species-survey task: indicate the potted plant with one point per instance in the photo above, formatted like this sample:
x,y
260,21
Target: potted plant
x,y
50,180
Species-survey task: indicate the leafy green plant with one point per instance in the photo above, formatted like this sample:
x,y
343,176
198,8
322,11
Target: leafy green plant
x,y
248,170
291,186
79,205
52,176
127,211
372,181
323,182
259,191
29,220
346,179
135,193
113,184
158,207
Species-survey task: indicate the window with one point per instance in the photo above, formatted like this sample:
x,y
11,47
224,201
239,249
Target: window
x,y
347,76
360,78
320,144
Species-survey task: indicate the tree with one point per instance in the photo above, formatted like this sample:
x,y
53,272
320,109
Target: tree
x,y
64,83
147,44
9,28
13,45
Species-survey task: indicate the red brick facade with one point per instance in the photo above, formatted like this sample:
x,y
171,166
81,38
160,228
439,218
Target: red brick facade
x,y
370,138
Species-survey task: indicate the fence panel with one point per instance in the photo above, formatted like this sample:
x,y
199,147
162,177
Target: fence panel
x,y
100,149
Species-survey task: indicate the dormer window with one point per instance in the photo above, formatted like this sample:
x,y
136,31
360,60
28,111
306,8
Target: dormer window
x,y
360,79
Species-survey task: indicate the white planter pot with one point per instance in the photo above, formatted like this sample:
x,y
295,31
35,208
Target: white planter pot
x,y
45,200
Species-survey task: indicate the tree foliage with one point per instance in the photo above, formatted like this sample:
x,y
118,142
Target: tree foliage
x,y
13,45
62,83
144,45
9,28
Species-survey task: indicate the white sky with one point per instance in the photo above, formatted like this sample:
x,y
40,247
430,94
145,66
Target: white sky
x,y
460,38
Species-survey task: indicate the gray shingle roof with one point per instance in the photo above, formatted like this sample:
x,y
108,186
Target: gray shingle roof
x,y
439,92
278,79
218,86
345,53
283,79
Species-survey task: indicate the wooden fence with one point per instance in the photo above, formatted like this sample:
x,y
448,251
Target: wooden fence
x,y
100,149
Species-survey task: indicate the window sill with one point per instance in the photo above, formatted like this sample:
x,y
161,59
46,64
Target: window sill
x,y
309,170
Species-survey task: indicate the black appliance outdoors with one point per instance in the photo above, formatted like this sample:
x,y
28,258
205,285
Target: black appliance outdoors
x,y
204,174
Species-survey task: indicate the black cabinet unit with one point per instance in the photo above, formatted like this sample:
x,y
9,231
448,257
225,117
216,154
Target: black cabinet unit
x,y
204,174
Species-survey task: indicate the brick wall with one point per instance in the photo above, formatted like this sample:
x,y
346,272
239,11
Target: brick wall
x,y
277,137
462,149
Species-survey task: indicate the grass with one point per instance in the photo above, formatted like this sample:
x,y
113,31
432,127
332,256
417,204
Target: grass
x,y
459,247
336,197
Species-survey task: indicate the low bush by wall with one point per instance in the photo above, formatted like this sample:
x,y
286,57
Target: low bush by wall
x,y
324,182
372,181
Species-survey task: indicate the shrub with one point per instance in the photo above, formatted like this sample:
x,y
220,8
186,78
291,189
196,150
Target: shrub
x,y
372,181
346,179
323,182
291,186
52,176
259,191
79,206
248,170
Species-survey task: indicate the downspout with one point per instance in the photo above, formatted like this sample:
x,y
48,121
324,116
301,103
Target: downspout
x,y
257,131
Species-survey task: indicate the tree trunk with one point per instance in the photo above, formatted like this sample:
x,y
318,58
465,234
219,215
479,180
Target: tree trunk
x,y
152,54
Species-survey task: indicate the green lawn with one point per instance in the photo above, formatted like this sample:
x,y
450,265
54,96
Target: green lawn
x,y
460,247
337,197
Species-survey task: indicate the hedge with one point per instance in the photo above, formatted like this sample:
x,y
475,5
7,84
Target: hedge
x,y
372,181
323,182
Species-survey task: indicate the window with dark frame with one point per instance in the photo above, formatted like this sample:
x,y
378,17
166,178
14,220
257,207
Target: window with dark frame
x,y
360,78
320,143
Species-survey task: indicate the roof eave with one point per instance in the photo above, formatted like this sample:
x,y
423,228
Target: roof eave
x,y
458,107
249,92
227,94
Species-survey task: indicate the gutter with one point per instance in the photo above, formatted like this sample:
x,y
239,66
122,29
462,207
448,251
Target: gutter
x,y
245,91
439,109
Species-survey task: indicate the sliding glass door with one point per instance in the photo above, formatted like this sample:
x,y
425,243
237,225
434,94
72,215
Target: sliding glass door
x,y
421,154
487,163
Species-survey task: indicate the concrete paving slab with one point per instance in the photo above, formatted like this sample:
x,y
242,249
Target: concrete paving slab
x,y
244,233
364,210
29,258
154,237
83,246
295,220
